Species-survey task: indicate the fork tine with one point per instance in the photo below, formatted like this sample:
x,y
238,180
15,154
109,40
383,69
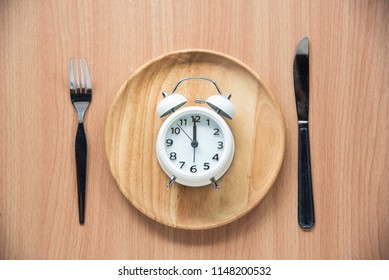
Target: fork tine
x,y
87,76
77,78
82,78
71,75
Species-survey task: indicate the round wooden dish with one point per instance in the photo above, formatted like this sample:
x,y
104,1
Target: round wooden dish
x,y
132,128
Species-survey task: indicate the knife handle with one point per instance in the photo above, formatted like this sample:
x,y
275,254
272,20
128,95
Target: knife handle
x,y
306,215
81,157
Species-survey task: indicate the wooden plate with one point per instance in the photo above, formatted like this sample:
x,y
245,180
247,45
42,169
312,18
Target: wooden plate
x,y
132,128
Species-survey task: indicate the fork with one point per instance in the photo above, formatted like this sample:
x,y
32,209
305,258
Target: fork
x,y
81,96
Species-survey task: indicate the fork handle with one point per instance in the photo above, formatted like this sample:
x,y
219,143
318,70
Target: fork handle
x,y
81,157
306,215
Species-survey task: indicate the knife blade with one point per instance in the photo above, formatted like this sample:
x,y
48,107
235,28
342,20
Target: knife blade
x,y
306,215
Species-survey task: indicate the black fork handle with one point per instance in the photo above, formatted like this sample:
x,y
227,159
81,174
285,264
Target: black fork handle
x,y
306,215
81,157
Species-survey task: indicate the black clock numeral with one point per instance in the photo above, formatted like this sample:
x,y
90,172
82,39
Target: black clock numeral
x,y
193,169
173,156
182,164
206,165
169,142
196,119
216,131
175,130
216,157
183,122
208,122
220,145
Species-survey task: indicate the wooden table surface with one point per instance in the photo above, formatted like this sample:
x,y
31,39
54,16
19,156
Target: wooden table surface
x,y
349,128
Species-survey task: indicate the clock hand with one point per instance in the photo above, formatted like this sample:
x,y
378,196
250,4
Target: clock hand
x,y
185,132
194,141
194,154
194,131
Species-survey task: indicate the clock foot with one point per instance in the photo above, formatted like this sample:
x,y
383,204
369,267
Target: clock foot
x,y
171,181
214,183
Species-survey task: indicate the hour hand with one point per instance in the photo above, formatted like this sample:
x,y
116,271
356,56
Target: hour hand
x,y
194,130
194,141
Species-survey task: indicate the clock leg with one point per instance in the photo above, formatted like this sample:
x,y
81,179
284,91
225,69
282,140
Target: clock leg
x,y
171,181
214,183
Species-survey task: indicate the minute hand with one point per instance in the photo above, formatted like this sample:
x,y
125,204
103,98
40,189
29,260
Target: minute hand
x,y
185,132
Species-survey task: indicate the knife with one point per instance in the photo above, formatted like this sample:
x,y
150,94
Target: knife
x,y
306,215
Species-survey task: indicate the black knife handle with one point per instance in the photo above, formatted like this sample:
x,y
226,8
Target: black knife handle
x,y
81,156
306,215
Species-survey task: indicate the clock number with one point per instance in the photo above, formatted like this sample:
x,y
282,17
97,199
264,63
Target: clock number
x,y
216,157
195,119
182,164
176,130
206,165
216,131
193,169
183,122
220,145
208,122
173,155
169,142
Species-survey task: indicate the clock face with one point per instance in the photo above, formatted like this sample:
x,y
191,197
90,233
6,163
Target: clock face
x,y
194,145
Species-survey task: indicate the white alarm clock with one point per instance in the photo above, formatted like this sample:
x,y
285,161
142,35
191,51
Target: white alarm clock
x,y
195,146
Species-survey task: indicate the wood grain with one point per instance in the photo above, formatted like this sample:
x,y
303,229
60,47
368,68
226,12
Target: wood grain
x,y
349,130
133,125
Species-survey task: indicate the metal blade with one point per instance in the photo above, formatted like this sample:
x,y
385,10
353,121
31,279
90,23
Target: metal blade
x,y
301,79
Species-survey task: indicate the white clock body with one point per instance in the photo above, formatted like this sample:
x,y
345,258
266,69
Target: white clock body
x,y
195,145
